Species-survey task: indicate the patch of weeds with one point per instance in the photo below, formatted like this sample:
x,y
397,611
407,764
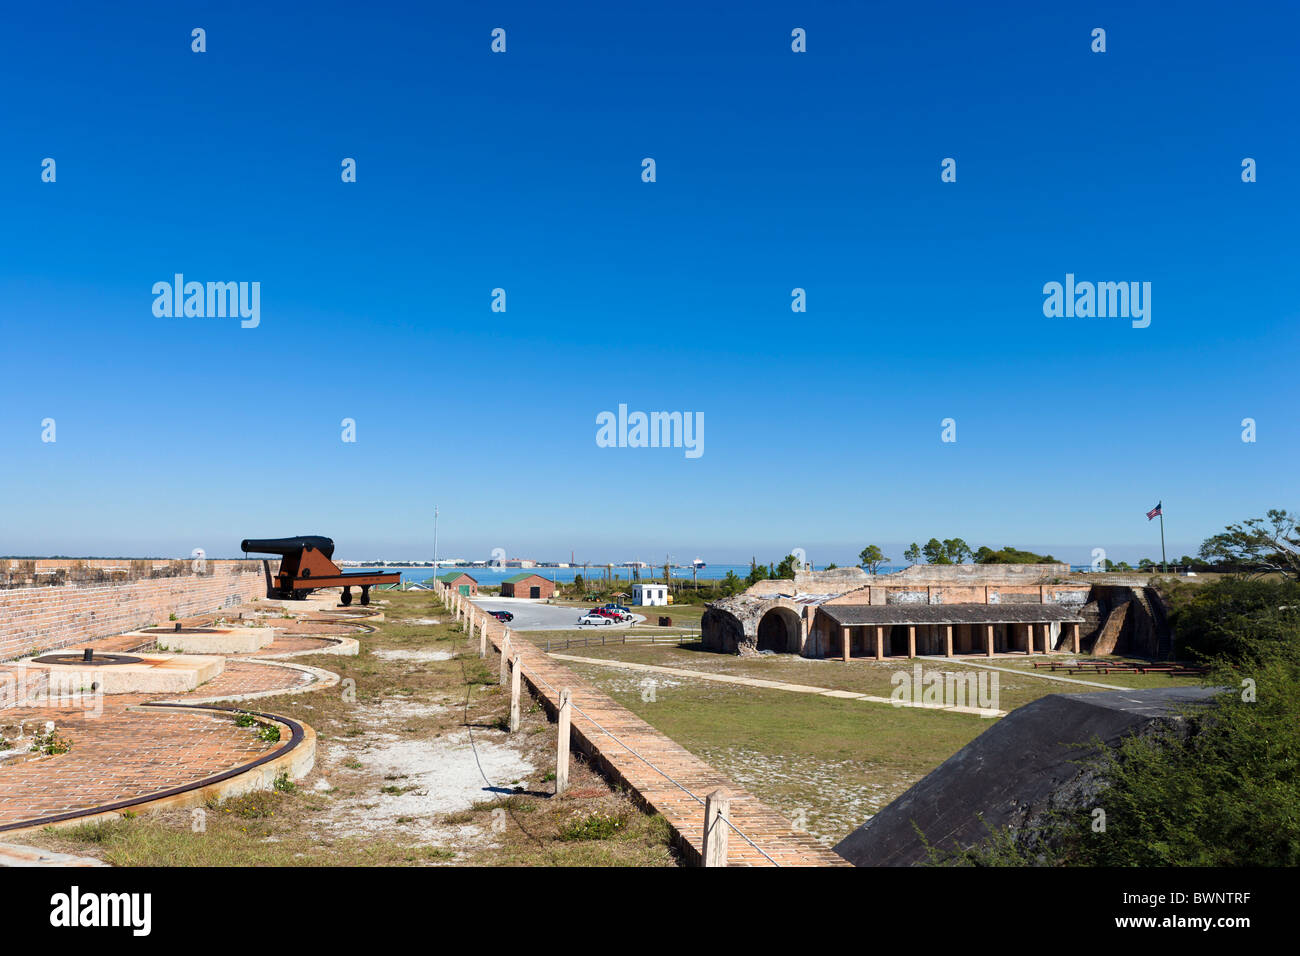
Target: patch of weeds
x,y
598,825
352,763
244,719
432,853
477,671
396,791
548,776
51,743
257,805
283,784
101,831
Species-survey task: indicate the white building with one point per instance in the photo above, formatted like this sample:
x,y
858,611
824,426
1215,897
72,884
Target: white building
x,y
650,595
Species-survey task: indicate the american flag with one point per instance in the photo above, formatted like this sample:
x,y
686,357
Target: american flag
x,y
1154,511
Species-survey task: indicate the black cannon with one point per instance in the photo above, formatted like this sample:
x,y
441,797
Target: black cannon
x,y
287,546
306,566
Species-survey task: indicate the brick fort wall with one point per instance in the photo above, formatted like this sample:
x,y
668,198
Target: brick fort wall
x,y
48,604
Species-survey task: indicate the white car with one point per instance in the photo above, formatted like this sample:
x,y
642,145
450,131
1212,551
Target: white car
x,y
595,619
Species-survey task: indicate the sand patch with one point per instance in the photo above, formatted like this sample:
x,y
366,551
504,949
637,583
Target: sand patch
x,y
421,655
428,778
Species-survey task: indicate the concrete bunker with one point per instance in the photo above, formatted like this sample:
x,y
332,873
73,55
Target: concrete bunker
x,y
778,631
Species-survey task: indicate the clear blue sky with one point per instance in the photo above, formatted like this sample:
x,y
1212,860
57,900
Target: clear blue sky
x,y
776,170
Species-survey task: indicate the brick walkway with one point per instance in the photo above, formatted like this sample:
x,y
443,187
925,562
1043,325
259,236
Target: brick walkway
x,y
119,755
645,759
122,754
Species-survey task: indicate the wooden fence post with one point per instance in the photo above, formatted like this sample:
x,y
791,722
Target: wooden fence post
x,y
505,658
717,806
562,744
514,692
482,641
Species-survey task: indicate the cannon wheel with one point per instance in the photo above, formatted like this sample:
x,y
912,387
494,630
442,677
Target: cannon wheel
x,y
365,594
347,596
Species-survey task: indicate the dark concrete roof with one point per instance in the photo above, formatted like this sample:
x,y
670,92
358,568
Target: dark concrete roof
x,y
852,615
1027,763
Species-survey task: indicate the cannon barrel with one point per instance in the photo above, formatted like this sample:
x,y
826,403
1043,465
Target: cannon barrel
x,y
287,546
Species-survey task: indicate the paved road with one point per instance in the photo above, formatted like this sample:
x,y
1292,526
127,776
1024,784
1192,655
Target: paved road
x,y
542,617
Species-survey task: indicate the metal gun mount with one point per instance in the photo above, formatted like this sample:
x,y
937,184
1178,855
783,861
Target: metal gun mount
x,y
306,566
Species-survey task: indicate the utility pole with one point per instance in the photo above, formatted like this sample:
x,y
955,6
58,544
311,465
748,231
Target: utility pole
x,y
435,541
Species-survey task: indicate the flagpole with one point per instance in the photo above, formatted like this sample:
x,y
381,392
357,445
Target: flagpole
x,y
1162,539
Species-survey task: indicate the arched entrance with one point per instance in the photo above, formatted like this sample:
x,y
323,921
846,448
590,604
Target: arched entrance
x,y
778,631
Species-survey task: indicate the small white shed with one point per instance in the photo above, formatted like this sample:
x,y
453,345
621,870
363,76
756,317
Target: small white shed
x,y
650,595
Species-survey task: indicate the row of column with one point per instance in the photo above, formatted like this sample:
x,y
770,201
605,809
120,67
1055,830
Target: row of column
x,y
847,642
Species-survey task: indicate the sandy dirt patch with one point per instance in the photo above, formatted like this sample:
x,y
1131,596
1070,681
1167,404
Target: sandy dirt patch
x,y
418,655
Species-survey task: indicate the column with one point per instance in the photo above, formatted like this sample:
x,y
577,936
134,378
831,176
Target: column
x,y
1029,639
988,639
911,640
880,642
948,637
1074,637
846,643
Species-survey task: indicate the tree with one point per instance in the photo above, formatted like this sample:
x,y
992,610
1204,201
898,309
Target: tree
x,y
956,550
913,554
785,570
1265,545
871,558
934,552
732,583
1010,555
756,573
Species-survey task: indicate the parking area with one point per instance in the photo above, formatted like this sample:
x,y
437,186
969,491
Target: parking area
x,y
534,616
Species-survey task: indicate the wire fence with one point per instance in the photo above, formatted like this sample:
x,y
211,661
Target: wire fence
x,y
589,640
536,679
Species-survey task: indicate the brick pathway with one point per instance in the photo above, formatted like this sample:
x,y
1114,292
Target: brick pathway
x,y
629,759
249,677
119,755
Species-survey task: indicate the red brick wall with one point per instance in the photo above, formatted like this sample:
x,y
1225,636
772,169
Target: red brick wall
x,y
39,617
524,588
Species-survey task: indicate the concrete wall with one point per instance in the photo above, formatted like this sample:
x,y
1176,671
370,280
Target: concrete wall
x,y
95,598
897,592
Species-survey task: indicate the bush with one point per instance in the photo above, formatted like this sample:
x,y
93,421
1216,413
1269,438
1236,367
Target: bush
x,y
1238,619
1218,787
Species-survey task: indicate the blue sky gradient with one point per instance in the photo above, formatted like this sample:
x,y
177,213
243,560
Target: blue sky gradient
x,y
776,170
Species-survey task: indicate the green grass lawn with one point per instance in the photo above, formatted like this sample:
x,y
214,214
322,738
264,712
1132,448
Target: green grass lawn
x,y
825,762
